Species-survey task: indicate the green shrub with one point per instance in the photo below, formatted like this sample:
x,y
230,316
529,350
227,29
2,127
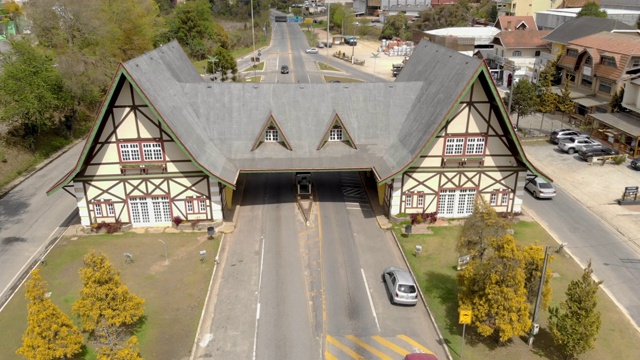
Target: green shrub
x,y
620,159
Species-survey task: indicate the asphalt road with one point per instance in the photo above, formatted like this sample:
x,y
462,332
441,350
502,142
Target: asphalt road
x,y
30,220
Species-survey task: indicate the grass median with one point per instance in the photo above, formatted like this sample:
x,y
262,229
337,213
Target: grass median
x,y
174,291
435,270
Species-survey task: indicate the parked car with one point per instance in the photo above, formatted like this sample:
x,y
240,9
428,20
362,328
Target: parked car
x,y
312,50
589,153
635,163
540,188
401,287
577,143
557,135
320,44
284,69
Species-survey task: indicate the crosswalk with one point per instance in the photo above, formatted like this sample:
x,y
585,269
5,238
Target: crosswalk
x,y
355,196
371,347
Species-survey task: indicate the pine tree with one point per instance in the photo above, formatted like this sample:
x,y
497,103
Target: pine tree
x,y
482,226
575,324
547,100
495,291
107,310
50,333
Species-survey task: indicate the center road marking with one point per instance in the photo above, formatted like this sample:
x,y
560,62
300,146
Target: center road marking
x,y
344,348
373,309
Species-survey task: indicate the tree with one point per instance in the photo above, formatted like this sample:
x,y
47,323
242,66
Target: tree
x,y
616,101
396,26
495,291
453,15
340,16
592,9
107,311
575,324
32,91
533,262
492,14
479,229
192,24
129,351
524,99
50,333
547,100
565,104
225,63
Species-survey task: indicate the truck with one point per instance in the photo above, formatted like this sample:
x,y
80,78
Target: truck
x,y
281,18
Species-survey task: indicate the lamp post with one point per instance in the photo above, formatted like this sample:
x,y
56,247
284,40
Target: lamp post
x,y
375,57
253,38
328,22
534,326
166,258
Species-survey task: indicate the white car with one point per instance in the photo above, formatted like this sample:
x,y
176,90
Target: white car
x,y
539,188
576,143
312,50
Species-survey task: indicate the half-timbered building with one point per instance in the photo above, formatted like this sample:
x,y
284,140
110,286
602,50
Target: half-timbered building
x,y
168,143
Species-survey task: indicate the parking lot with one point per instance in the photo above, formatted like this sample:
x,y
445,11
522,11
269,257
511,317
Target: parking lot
x,y
596,186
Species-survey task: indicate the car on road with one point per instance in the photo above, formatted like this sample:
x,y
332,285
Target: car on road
x,y
589,153
312,50
400,285
635,163
284,69
557,135
540,188
577,143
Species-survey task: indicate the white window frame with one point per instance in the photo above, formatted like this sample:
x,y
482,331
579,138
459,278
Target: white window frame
x,y
152,151
504,198
456,202
475,145
141,151
150,210
336,134
408,201
196,205
97,208
454,146
130,152
111,210
493,200
420,200
271,135
516,53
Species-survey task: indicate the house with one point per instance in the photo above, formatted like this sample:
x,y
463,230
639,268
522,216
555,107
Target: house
x,y
519,49
553,18
465,40
168,143
524,7
515,23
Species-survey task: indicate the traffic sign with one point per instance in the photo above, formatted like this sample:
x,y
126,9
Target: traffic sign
x,y
465,317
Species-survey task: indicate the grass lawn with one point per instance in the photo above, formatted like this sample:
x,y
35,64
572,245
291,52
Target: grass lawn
x,y
174,293
341,79
435,270
325,66
259,67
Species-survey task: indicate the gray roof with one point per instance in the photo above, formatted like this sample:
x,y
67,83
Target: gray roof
x,y
584,26
389,123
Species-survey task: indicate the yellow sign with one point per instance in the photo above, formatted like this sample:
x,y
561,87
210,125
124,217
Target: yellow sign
x,y
465,317
308,21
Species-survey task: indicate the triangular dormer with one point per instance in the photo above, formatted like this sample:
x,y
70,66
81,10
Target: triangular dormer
x,y
337,132
271,132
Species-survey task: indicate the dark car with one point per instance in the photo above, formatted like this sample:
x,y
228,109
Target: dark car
x,y
284,69
589,153
635,163
557,135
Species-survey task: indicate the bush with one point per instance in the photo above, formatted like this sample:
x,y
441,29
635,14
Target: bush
x,y
428,218
177,220
620,159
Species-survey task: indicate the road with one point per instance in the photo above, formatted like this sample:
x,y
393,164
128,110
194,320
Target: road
x,y
30,220
294,291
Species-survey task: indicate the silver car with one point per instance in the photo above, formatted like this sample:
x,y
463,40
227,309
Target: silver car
x,y
540,188
312,50
400,285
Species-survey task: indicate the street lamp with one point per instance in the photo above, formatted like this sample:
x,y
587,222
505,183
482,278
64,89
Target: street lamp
x,y
253,38
535,327
166,258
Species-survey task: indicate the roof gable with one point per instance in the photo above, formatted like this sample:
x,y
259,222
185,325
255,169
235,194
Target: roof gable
x,y
511,23
523,39
271,123
335,125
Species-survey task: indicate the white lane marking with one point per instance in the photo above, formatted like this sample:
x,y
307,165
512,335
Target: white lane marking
x,y
373,309
255,335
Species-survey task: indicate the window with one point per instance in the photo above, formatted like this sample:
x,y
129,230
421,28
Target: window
x,y
196,205
505,198
499,197
454,146
572,53
335,134
494,199
129,152
588,60
271,136
464,146
586,81
571,76
605,87
611,61
635,62
408,200
104,208
475,146
516,53
456,203
537,53
151,151
420,200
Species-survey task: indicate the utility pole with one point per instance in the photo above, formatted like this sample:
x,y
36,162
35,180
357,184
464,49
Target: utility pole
x,y
328,22
253,37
